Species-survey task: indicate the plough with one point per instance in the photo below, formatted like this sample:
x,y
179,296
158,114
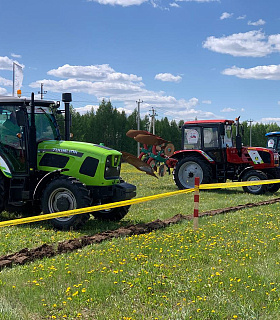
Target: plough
x,y
155,154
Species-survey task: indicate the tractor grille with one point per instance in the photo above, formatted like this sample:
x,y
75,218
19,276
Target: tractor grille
x,y
112,167
265,156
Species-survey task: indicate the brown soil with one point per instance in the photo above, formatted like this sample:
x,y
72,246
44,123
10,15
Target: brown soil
x,y
28,255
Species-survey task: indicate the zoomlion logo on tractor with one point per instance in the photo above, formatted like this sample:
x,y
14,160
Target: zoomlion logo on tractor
x,y
67,151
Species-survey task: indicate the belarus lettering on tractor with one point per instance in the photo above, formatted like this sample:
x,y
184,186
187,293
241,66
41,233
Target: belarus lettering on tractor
x,y
208,152
41,172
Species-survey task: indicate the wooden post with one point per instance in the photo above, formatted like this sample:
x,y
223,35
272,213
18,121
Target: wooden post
x,y
196,203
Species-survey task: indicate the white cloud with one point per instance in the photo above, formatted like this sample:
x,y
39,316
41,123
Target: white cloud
x,y
87,108
260,22
242,110
3,91
226,15
5,82
6,63
250,44
94,73
154,3
241,17
271,72
123,3
104,82
174,4
228,110
17,56
168,77
270,120
207,101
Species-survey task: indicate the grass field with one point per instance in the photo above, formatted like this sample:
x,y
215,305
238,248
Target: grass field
x,y
228,269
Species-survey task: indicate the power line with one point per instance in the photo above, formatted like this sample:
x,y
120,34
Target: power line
x,y
250,121
42,92
152,122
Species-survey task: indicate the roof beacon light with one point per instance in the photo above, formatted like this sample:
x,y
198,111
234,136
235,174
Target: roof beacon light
x,y
19,93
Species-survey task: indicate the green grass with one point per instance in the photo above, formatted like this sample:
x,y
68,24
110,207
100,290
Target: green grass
x,y
228,269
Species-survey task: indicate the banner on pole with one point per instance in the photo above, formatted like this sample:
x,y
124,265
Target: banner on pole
x,y
17,77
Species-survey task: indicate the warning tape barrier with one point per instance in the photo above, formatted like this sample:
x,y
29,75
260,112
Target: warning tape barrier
x,y
61,214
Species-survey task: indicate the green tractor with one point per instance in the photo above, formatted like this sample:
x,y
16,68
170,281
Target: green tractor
x,y
40,172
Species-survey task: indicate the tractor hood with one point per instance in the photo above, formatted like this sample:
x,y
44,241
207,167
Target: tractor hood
x,y
92,164
76,148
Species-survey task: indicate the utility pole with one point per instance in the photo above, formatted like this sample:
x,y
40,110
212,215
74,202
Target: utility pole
x,y
153,121
138,124
42,92
250,121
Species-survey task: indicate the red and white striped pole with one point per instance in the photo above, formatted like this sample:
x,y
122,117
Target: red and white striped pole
x,y
196,203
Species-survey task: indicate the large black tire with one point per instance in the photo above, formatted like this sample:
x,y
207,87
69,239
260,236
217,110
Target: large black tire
x,y
115,214
273,174
62,194
190,167
255,175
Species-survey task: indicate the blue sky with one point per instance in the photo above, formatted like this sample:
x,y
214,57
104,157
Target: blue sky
x,y
188,59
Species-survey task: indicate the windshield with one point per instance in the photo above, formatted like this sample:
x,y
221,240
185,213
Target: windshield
x,y
227,141
273,142
46,126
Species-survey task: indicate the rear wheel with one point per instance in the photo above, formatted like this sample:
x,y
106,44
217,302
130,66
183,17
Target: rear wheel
x,y
62,194
190,167
255,175
115,214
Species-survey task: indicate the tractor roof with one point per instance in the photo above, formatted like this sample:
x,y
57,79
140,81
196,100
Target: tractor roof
x,y
271,134
20,101
210,122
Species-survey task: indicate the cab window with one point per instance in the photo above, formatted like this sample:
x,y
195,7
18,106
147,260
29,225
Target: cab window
x,y
210,137
192,138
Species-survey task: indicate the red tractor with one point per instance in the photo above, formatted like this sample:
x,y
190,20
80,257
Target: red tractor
x,y
208,152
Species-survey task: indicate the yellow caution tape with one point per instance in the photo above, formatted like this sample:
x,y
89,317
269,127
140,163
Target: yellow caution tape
x,y
237,184
49,216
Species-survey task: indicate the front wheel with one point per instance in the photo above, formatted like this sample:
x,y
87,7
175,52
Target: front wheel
x,y
114,214
273,174
190,167
62,194
255,175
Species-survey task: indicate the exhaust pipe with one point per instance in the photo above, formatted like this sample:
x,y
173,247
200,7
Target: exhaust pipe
x,y
67,98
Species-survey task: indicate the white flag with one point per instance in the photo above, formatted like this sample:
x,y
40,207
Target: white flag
x,y
18,77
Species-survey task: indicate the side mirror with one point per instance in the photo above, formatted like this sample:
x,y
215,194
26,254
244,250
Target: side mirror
x,y
21,118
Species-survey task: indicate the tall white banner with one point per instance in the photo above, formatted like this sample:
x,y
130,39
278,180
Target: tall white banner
x,y
17,77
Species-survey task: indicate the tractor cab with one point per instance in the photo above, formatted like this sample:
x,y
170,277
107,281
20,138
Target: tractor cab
x,y
273,140
15,144
209,136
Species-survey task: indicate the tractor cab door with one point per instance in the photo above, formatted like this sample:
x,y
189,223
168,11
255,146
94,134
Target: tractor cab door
x,y
212,142
12,140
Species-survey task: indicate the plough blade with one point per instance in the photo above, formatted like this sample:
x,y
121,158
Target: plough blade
x,y
138,164
147,139
134,133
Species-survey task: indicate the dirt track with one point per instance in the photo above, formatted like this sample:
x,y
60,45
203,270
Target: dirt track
x,y
27,255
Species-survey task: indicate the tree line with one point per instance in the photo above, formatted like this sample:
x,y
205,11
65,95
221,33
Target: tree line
x,y
109,126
